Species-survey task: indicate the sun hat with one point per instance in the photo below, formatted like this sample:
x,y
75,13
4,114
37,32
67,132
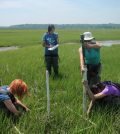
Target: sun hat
x,y
88,36
19,87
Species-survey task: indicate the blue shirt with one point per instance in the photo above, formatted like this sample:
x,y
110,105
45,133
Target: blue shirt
x,y
51,39
4,97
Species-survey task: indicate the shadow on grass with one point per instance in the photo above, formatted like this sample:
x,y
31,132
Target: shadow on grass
x,y
107,105
108,109
110,102
60,76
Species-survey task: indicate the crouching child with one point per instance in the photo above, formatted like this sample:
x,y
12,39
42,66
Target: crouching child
x,y
17,88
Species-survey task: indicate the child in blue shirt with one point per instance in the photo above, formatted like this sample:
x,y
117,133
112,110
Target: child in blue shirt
x,y
50,39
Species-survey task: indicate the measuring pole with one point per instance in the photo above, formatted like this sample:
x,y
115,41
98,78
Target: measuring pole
x,y
84,92
84,76
48,92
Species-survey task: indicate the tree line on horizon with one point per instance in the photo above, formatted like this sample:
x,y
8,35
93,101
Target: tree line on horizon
x,y
63,26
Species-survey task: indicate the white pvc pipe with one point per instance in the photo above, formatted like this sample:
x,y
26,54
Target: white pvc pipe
x,y
84,101
48,92
84,92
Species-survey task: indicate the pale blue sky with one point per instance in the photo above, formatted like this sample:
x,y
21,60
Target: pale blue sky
x,y
59,11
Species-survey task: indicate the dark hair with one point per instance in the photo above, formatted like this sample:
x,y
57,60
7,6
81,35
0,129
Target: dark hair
x,y
82,38
97,88
50,27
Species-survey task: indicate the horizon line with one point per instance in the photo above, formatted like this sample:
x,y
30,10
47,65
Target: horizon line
x,y
60,24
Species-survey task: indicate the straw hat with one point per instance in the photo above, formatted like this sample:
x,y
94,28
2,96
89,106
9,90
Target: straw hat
x,y
88,36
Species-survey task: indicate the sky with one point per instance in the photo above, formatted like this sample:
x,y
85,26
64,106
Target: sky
x,y
13,12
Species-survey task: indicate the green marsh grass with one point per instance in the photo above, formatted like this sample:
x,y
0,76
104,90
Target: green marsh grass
x,y
27,63
33,37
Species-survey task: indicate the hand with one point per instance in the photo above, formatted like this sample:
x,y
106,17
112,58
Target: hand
x,y
27,109
18,114
51,46
82,70
98,45
85,82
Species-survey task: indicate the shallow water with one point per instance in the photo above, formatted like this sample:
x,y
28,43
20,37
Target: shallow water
x,y
110,42
8,48
104,43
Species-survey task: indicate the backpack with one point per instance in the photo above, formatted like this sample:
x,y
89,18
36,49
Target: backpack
x,y
117,85
102,85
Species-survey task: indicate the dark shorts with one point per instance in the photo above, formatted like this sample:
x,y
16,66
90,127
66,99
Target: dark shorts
x,y
93,74
52,62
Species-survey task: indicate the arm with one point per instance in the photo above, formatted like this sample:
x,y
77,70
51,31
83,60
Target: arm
x,y
97,45
81,59
57,39
91,95
99,95
45,45
11,107
89,92
22,105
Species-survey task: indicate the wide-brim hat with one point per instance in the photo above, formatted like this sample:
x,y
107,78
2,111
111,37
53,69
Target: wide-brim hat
x,y
88,36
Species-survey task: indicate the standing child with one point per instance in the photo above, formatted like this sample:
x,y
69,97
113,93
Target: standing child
x,y
90,56
50,39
